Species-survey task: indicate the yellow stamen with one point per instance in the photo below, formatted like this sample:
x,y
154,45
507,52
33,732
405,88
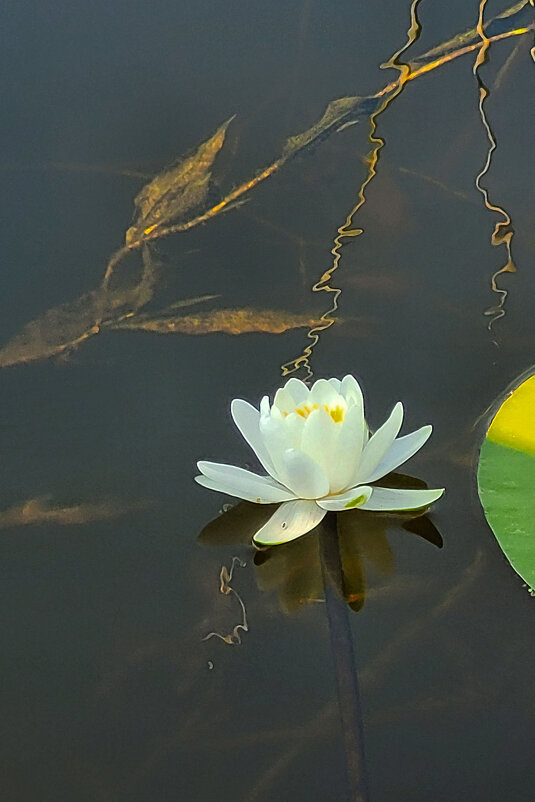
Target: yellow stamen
x,y
305,410
337,413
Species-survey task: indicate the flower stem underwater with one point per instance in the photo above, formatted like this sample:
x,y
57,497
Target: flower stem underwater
x,y
345,666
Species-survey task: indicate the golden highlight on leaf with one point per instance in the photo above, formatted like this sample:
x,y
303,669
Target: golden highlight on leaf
x,y
226,321
176,192
463,39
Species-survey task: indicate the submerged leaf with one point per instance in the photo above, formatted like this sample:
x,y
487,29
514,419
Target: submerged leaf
x,y
506,479
183,302
337,113
40,510
176,191
56,331
464,38
227,321
64,327
176,200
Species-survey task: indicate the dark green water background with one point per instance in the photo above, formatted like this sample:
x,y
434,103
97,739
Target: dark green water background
x,y
107,691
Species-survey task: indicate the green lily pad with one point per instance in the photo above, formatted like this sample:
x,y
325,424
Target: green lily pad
x,y
506,479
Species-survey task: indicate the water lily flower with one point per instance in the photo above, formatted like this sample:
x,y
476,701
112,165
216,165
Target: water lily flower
x,y
319,456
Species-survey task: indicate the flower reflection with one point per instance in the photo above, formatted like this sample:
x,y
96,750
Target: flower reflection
x,y
294,569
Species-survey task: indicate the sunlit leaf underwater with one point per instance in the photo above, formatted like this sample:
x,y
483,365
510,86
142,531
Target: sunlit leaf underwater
x,y
178,192
506,479
178,199
227,321
63,328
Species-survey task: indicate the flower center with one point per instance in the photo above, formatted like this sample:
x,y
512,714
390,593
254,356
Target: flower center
x,y
337,413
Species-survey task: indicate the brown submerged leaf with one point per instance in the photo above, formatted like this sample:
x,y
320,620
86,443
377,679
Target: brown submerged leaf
x,y
39,510
64,327
176,191
176,201
462,39
227,321
337,113
59,329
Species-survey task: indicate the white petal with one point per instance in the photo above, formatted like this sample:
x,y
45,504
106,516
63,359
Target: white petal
x,y
241,483
290,521
350,500
293,429
298,390
336,383
378,445
303,476
247,419
264,406
386,499
323,392
402,449
284,400
276,413
275,439
351,391
348,450
319,437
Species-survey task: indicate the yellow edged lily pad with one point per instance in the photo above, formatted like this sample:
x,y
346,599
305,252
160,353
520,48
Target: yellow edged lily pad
x,y
506,478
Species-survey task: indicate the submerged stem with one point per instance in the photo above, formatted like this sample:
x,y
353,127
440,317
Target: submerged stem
x,y
344,661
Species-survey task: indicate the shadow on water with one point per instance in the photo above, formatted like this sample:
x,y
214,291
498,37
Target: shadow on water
x,y
294,569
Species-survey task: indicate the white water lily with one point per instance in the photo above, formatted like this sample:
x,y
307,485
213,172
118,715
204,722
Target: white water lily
x,y
317,450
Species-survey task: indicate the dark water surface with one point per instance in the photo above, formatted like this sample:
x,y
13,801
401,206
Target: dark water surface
x,y
108,691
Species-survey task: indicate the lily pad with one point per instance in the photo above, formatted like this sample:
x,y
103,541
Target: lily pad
x,y
506,479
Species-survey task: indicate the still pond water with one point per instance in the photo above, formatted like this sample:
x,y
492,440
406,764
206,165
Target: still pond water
x,y
110,690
